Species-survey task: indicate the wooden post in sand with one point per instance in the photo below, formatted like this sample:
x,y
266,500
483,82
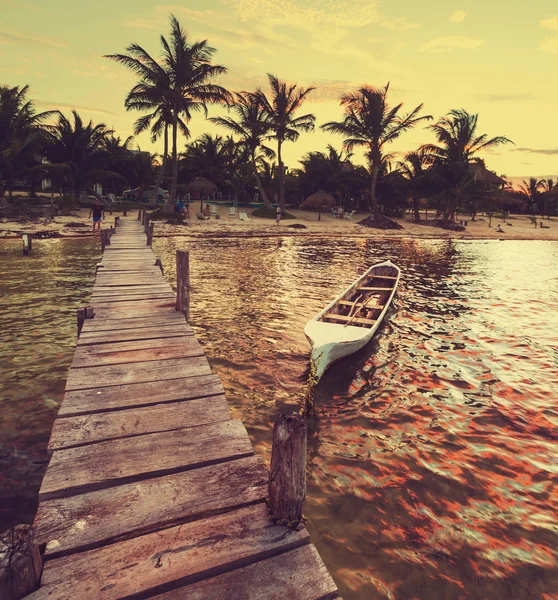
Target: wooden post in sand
x,y
116,220
143,215
20,563
139,214
287,477
104,239
183,282
146,223
159,263
150,233
124,212
27,239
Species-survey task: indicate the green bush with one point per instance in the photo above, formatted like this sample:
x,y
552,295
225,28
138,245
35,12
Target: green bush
x,y
267,213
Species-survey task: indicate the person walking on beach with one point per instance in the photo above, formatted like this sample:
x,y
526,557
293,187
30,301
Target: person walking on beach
x,y
278,217
98,213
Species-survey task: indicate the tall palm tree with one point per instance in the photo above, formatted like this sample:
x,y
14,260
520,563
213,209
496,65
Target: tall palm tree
x,y
531,190
279,111
548,190
77,153
252,125
182,84
22,135
371,123
415,168
331,171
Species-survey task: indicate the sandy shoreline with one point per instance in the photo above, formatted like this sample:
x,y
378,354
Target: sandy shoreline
x,y
78,225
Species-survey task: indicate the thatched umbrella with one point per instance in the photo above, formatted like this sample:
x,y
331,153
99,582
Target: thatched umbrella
x,y
200,188
319,200
481,173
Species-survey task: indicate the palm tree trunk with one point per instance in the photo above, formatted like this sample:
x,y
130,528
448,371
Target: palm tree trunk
x,y
265,199
373,199
281,177
161,174
170,203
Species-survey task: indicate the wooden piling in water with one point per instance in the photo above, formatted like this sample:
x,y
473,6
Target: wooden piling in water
x,y
82,314
287,477
27,240
20,563
183,282
150,230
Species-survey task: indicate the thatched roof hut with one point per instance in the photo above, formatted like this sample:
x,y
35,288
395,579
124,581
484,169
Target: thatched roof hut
x,y
320,200
201,188
481,173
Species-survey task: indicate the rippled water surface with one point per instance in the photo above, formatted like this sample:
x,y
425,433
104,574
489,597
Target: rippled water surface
x,y
433,458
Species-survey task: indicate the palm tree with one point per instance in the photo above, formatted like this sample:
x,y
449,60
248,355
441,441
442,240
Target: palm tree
x,y
22,135
252,125
77,153
371,123
279,112
547,187
180,85
531,190
415,168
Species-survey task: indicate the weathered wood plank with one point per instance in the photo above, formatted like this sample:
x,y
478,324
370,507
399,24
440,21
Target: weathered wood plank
x,y
157,370
168,320
90,429
297,575
83,358
106,516
188,341
168,295
134,334
109,280
81,402
167,559
115,462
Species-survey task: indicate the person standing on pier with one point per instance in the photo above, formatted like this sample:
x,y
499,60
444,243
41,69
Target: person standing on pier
x,y
98,213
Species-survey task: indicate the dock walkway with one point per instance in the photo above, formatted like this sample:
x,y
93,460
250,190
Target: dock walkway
x,y
152,491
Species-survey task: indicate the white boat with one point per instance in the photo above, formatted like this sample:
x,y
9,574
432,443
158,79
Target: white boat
x,y
350,321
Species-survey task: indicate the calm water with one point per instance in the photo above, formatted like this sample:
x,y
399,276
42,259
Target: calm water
x,y
434,454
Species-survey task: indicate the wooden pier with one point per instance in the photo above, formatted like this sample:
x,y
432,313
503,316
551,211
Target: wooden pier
x,y
152,491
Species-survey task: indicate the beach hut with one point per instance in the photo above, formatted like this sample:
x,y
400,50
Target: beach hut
x,y
319,200
481,173
201,188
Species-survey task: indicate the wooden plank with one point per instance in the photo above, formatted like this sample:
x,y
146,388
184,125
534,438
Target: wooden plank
x,y
98,518
140,372
375,289
164,560
359,304
147,296
115,462
133,334
343,318
81,402
89,429
126,346
121,281
297,575
170,319
84,358
118,311
132,290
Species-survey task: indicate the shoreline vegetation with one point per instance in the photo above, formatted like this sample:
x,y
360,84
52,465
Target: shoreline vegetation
x,y
74,158
78,225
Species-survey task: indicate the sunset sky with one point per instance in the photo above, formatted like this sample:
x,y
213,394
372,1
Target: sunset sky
x,y
478,55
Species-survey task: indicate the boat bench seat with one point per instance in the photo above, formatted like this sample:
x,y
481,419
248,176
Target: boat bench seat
x,y
383,277
359,304
344,318
375,289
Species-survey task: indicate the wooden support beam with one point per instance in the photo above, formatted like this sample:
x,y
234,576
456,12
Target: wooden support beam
x,y
20,563
86,312
146,222
287,478
183,282
139,215
143,213
104,237
150,230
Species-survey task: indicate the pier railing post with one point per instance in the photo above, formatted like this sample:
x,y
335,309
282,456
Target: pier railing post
x,y
116,220
139,214
82,314
159,263
143,214
20,563
287,477
124,212
104,236
183,282
146,223
150,230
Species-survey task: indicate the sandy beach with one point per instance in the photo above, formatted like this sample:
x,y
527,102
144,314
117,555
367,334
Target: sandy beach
x,y
518,227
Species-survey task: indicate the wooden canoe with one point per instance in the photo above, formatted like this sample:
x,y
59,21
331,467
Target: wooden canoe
x,y
350,321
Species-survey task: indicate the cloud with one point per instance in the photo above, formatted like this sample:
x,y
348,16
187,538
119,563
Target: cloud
x,y
53,105
400,24
551,23
307,13
549,45
14,38
544,151
449,42
458,16
506,97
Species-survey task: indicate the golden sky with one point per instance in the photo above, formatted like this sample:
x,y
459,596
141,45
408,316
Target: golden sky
x,y
497,58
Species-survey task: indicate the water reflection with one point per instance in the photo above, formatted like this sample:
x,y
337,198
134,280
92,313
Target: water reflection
x,y
431,467
39,296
